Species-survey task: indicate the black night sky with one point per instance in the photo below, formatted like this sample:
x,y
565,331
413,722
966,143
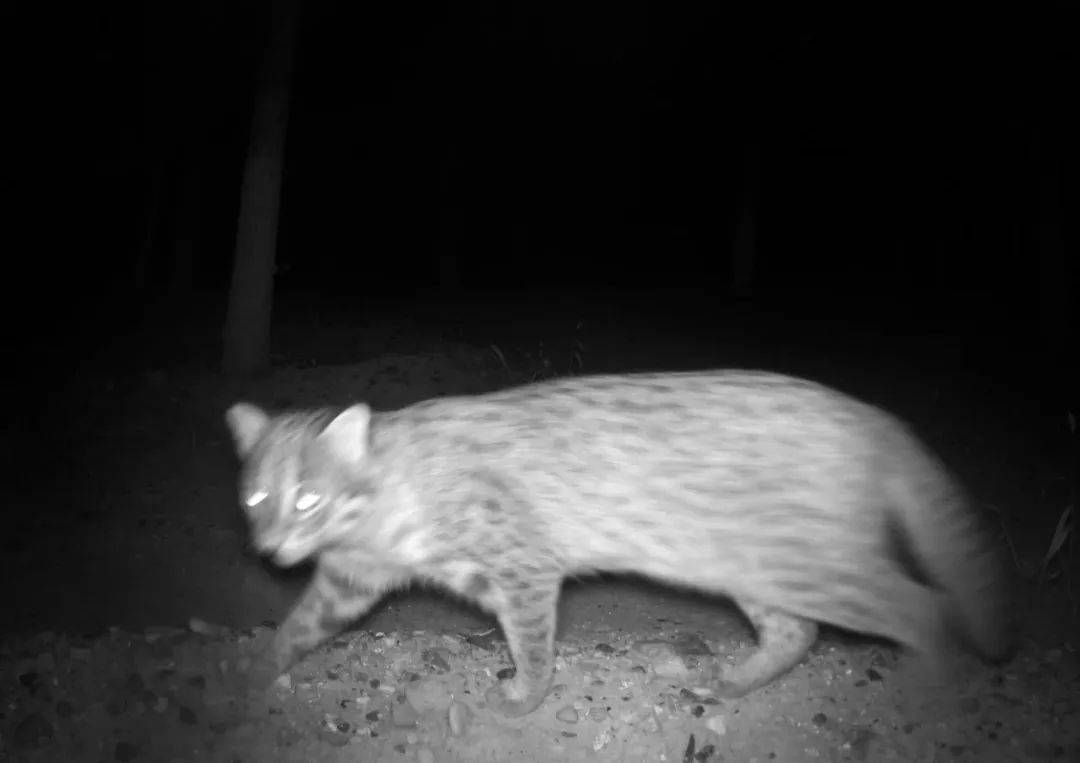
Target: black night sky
x,y
899,162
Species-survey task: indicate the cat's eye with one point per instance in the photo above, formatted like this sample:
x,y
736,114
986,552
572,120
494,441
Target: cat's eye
x,y
308,501
254,499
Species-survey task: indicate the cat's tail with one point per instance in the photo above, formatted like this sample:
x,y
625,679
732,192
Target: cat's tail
x,y
952,546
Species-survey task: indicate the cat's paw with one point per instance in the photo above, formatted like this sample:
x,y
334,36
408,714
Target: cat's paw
x,y
498,699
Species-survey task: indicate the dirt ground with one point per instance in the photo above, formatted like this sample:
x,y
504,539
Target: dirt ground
x,y
135,595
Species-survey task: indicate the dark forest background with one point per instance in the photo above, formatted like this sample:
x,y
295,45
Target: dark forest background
x,y
879,197
905,168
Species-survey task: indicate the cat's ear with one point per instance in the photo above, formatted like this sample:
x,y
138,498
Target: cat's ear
x,y
347,435
247,423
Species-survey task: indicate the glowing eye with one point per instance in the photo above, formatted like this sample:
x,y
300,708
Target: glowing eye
x,y
256,498
307,501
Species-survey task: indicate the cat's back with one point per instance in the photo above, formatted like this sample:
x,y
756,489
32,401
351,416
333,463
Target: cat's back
x,y
637,419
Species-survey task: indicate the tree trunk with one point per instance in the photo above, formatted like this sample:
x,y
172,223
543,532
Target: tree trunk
x,y
247,323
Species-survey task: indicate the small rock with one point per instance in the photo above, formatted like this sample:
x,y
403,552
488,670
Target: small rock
x,y
557,691
673,667
567,714
597,714
458,715
436,658
604,648
373,716
32,732
334,736
688,696
819,719
716,725
125,751
187,715
204,628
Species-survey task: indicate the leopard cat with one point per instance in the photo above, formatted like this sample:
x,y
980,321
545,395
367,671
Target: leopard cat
x,y
790,498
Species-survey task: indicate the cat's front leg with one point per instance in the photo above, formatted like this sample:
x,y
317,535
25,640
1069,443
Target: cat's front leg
x,y
327,606
528,621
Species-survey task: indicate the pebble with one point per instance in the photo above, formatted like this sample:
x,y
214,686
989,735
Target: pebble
x,y
567,714
334,736
284,681
716,725
436,658
597,714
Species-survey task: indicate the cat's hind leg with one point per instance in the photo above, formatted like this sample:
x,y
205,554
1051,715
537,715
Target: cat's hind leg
x,y
783,641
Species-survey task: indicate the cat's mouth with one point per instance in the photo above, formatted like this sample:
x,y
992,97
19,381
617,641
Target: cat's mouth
x,y
286,552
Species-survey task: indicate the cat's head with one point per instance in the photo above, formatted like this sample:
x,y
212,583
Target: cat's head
x,y
301,476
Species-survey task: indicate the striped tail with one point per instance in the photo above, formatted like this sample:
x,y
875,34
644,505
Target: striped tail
x,y
952,546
